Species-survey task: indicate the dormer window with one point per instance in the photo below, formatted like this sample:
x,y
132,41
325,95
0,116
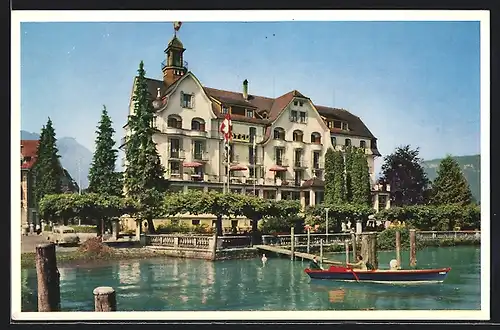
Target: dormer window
x,y
249,113
225,110
344,126
279,133
337,124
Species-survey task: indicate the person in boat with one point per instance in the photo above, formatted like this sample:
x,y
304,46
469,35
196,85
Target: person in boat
x,y
360,264
393,265
314,265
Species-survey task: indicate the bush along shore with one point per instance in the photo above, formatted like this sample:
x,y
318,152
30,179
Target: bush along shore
x,y
93,250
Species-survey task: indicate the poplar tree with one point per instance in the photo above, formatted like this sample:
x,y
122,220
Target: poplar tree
x,y
102,176
348,173
144,174
329,176
339,178
360,173
450,185
47,169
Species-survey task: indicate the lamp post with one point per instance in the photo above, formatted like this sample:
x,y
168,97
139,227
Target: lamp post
x,y
326,214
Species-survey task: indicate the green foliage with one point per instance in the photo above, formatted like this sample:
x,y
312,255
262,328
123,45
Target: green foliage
x,y
316,215
102,176
360,178
329,176
273,225
144,175
47,169
85,229
183,228
450,185
348,173
430,217
404,172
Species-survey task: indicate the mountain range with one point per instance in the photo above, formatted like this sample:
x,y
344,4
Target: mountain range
x,y
471,168
77,159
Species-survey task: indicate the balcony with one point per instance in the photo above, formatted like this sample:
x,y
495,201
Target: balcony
x,y
164,64
176,154
254,160
200,156
172,130
316,146
197,133
299,164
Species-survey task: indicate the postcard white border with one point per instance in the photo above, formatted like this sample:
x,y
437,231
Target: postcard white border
x,y
257,15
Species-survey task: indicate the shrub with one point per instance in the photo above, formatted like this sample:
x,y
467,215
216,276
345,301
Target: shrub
x,y
93,246
85,229
172,228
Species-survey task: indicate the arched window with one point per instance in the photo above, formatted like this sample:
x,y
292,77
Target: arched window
x,y
174,121
279,133
298,136
316,138
198,124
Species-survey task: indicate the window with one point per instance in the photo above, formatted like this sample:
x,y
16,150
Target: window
x,y
195,222
316,159
249,113
293,116
278,155
303,117
295,103
362,144
252,132
174,148
298,178
174,122
298,136
337,124
316,138
334,141
187,100
225,109
198,125
301,103
252,155
329,124
153,122
175,168
344,126
347,142
198,150
298,157
279,133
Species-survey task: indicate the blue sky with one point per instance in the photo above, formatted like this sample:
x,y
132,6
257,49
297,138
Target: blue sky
x,y
411,83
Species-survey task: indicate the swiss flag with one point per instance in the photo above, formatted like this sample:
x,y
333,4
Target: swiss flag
x,y
226,128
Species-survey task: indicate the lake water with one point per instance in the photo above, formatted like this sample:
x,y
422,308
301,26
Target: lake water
x,y
170,284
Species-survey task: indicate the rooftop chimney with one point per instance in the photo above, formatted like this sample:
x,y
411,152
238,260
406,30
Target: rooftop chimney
x,y
245,89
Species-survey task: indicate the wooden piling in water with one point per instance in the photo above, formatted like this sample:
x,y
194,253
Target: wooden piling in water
x,y
346,243
308,240
369,248
49,294
105,299
413,248
354,246
214,246
292,243
398,248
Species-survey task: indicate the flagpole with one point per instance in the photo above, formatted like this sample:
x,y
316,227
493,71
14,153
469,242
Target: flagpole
x,y
228,166
254,165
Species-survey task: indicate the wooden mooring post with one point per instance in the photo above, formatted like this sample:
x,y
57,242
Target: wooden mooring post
x,y
321,251
308,240
105,299
354,246
49,294
292,243
346,244
369,248
398,248
413,248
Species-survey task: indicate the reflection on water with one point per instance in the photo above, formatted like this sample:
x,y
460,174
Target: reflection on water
x,y
187,284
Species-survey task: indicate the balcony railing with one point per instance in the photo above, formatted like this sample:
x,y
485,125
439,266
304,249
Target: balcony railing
x,y
200,156
164,64
176,154
280,161
299,163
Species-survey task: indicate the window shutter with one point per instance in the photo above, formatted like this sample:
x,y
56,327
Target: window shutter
x,y
192,100
182,99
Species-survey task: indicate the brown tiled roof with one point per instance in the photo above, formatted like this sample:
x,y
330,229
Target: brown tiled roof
x,y
29,149
273,107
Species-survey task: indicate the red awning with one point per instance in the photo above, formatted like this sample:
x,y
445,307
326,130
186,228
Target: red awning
x,y
238,168
277,168
191,164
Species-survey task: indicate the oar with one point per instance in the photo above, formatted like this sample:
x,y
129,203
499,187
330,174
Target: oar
x,y
353,273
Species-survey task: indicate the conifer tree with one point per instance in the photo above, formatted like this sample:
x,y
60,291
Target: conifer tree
x,y
329,176
348,173
144,174
102,176
339,178
47,169
360,174
450,185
